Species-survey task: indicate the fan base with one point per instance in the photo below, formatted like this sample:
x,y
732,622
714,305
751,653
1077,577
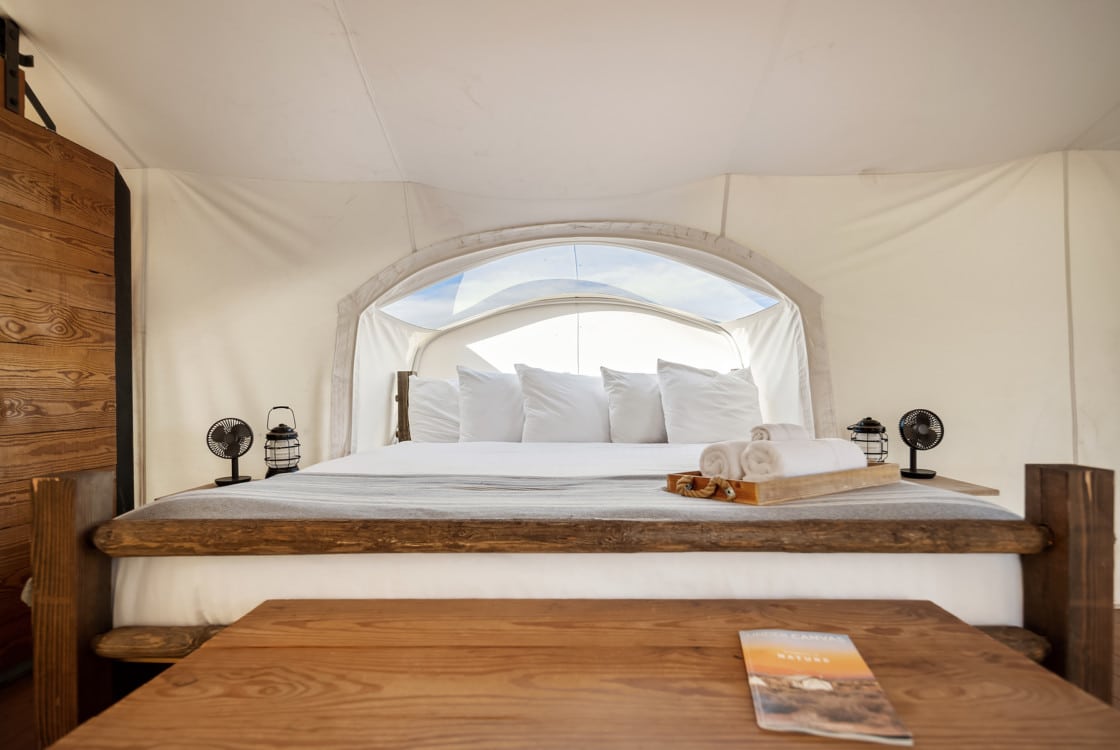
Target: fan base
x,y
223,481
918,473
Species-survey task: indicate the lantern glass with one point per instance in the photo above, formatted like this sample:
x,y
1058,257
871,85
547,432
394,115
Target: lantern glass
x,y
282,453
871,437
281,446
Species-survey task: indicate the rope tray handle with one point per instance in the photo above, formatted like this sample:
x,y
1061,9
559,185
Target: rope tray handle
x,y
684,487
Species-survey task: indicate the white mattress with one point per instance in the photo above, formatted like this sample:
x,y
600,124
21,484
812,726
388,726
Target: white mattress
x,y
978,588
520,459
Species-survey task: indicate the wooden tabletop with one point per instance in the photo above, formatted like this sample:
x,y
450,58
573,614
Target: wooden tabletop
x,y
575,674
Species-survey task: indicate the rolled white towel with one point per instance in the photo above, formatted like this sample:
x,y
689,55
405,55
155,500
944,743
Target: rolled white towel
x,y
722,459
780,431
768,459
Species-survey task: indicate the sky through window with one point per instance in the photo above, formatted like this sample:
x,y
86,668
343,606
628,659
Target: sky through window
x,y
582,270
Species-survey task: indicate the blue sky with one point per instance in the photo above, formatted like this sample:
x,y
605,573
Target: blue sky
x,y
566,270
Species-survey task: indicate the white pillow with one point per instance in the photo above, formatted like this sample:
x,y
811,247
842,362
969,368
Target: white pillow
x,y
634,401
433,410
489,406
703,406
563,408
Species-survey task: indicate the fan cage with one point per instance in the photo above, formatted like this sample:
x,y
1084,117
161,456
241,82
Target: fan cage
x,y
224,448
915,417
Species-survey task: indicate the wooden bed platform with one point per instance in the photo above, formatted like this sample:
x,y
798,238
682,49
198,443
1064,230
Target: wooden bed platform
x,y
1066,546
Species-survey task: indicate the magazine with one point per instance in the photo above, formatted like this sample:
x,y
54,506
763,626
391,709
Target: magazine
x,y
817,683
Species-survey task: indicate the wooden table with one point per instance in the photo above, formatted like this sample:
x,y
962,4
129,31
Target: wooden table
x,y
575,674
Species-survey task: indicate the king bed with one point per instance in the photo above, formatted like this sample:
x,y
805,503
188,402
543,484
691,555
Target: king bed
x,y
555,520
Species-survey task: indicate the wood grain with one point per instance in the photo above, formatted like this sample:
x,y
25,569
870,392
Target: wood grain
x,y
139,538
15,504
15,557
55,453
72,585
956,485
57,329
24,321
70,367
1067,590
25,142
44,280
404,431
153,644
38,411
35,235
774,491
351,624
1031,645
563,674
59,180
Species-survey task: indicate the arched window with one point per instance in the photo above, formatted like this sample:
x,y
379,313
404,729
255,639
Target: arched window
x,y
620,296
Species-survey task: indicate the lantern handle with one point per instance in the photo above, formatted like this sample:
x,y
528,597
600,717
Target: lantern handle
x,y
268,422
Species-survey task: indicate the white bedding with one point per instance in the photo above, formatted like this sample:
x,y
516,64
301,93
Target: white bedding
x,y
520,459
218,590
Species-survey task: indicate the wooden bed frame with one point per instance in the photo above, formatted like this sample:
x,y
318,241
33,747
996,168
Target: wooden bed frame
x,y
1065,542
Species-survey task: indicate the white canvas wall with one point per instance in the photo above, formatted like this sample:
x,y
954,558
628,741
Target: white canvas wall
x,y
942,291
240,283
945,291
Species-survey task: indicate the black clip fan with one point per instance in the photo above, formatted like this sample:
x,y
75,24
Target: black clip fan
x,y
921,429
230,438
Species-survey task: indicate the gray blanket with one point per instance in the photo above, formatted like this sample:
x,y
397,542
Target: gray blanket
x,y
347,496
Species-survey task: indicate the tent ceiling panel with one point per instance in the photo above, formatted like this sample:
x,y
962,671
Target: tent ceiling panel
x,y
580,99
253,88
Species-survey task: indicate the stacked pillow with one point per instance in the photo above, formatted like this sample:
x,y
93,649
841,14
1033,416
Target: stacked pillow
x,y
677,404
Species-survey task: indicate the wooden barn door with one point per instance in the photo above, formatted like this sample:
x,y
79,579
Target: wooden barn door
x,y
58,375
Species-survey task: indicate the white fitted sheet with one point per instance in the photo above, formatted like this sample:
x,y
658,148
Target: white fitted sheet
x,y
520,459
978,588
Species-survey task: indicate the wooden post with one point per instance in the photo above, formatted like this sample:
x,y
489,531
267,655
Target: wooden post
x,y
1067,589
71,600
404,431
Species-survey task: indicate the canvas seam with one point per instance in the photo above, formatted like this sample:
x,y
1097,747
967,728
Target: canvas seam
x,y
1074,427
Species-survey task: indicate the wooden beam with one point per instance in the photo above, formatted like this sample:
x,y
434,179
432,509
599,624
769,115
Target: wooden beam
x,y
1031,645
153,643
171,643
404,431
140,538
1067,589
71,600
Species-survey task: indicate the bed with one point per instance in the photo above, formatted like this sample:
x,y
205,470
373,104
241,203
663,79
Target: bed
x,y
581,520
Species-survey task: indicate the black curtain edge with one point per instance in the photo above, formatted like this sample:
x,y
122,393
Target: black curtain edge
x,y
122,275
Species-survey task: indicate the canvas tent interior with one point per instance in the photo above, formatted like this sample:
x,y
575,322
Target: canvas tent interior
x,y
943,177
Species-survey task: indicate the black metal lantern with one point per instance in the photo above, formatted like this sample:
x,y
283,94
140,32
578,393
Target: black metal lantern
x,y
871,437
281,445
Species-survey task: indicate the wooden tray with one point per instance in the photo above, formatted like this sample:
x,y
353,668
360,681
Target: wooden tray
x,y
775,491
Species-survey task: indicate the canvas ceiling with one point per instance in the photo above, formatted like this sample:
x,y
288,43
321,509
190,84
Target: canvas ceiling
x,y
575,98
945,174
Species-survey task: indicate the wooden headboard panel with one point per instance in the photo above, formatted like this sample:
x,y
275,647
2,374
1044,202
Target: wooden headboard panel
x,y
403,431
